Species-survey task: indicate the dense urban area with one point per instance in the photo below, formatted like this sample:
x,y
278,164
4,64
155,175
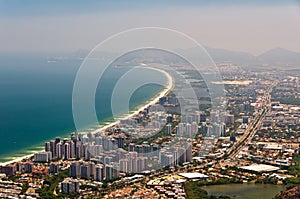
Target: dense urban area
x,y
160,154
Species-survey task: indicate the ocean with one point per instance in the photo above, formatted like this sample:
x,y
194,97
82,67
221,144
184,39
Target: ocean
x,y
36,101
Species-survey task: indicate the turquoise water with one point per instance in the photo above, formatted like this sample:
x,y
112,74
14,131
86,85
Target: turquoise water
x,y
36,101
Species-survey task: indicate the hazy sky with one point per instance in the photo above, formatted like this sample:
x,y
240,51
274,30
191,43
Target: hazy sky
x,y
61,25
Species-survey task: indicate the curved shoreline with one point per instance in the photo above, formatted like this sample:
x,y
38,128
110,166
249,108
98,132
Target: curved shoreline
x,y
151,102
148,103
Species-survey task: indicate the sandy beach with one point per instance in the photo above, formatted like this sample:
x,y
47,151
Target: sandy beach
x,y
19,159
151,102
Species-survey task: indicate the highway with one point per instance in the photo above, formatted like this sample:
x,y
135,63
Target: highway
x,y
253,126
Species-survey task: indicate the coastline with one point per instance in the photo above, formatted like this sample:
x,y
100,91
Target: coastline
x,y
148,103
19,159
151,102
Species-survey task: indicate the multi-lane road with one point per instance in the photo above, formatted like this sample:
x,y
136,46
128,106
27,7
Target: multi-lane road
x,y
253,126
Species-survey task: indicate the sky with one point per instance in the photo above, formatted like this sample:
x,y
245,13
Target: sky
x,y
69,25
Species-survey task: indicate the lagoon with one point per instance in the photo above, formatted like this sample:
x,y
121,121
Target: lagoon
x,y
245,191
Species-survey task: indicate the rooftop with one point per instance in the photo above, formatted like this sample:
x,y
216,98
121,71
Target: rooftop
x,y
193,175
260,168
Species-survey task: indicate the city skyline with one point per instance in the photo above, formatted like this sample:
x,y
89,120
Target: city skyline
x,y
149,99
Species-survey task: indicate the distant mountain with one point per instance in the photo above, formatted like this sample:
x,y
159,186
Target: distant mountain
x,y
280,56
218,55
277,57
222,55
273,57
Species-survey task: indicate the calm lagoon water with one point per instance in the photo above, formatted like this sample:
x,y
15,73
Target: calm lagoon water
x,y
245,191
